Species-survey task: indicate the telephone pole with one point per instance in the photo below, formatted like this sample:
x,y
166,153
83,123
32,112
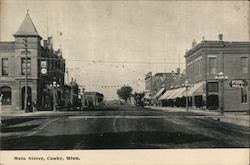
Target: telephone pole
x,y
26,75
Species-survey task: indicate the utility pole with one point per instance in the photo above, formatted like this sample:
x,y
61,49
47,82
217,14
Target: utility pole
x,y
165,74
179,63
26,75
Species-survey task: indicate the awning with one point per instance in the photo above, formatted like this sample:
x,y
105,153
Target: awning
x,y
166,94
159,93
147,96
178,93
195,90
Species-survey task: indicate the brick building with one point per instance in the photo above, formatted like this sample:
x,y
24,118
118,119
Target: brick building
x,y
44,65
205,60
155,82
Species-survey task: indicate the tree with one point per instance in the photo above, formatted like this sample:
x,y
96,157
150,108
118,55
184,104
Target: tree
x,y
124,92
100,97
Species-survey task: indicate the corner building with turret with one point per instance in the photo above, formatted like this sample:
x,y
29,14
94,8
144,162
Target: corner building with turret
x,y
44,66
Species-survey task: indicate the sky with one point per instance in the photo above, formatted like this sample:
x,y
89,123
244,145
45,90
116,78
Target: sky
x,y
114,43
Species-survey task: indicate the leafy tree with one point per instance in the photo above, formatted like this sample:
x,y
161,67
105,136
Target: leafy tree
x,y
124,92
100,97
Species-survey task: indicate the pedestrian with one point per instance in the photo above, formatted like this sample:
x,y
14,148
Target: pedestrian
x,y
1,97
28,106
34,105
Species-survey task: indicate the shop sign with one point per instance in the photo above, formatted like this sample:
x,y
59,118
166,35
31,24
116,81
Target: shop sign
x,y
238,83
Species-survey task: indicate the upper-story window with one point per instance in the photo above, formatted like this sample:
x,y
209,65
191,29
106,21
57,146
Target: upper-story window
x,y
212,65
244,64
212,87
23,66
243,95
5,66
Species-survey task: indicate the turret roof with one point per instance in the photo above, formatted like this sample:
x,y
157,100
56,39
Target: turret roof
x,y
27,28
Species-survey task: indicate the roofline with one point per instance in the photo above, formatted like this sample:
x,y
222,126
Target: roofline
x,y
27,35
206,44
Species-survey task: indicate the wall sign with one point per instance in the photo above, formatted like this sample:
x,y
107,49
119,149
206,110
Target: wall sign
x,y
238,83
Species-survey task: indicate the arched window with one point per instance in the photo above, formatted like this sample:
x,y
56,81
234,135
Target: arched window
x,y
5,95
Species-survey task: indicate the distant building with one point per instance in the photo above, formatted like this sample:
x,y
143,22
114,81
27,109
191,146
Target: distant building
x,y
158,83
205,60
160,80
44,66
92,98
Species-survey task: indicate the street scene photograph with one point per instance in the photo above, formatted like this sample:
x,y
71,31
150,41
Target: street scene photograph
x,y
87,75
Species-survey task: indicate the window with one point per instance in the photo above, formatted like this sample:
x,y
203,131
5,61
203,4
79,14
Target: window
x,y
5,95
243,95
23,66
213,87
212,65
201,67
5,67
244,65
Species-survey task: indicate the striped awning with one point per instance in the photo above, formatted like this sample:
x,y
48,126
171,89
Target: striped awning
x,y
147,97
159,93
179,92
195,90
167,94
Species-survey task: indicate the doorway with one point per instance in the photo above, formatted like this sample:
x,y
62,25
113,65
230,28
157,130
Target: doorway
x,y
29,97
213,102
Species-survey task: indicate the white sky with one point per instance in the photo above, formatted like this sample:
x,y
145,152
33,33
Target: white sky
x,y
125,31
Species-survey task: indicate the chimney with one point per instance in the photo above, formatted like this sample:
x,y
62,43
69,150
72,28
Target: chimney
x,y
220,37
193,43
45,43
50,44
178,70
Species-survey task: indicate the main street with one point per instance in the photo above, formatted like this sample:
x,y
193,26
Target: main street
x,y
119,127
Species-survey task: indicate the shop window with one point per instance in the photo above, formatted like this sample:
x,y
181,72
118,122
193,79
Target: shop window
x,y
23,66
243,95
5,67
212,65
244,65
5,95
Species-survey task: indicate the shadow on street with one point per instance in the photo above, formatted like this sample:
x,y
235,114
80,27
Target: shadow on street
x,y
120,140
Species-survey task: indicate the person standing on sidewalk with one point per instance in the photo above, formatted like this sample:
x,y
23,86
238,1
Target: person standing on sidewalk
x,y
34,105
1,97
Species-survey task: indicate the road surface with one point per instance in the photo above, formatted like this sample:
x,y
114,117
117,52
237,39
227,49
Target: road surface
x,y
119,127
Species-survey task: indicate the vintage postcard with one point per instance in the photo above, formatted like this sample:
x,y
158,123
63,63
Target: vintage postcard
x,y
124,82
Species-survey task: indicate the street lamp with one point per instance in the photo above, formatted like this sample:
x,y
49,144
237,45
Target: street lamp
x,y
221,78
54,86
186,85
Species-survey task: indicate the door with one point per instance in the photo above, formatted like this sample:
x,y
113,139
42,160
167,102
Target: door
x,y
29,97
213,102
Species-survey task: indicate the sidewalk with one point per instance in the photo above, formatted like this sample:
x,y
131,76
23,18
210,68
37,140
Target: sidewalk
x,y
242,119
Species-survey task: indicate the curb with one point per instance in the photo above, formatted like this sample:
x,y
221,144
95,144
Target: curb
x,y
238,119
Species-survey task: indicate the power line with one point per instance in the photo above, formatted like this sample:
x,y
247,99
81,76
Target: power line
x,y
124,62
119,62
